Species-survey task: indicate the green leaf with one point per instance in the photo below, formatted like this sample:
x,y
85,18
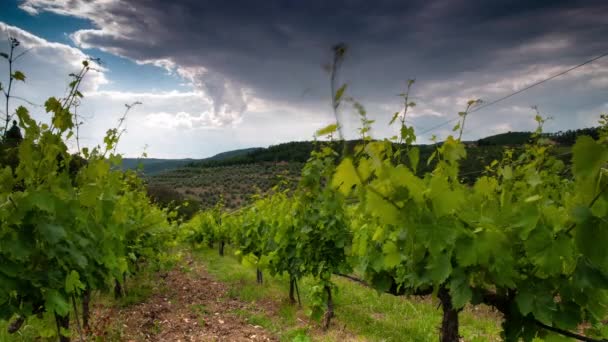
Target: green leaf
x,y
339,93
52,233
55,302
384,210
365,169
507,172
459,289
395,116
453,150
52,105
439,268
552,257
329,129
525,302
466,254
407,134
581,214
536,298
6,179
414,157
73,285
568,315
42,200
19,76
392,256
445,200
486,186
588,156
431,158
592,239
533,198
345,176
4,54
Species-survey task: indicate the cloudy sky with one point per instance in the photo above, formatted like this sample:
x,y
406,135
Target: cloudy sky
x,y
220,75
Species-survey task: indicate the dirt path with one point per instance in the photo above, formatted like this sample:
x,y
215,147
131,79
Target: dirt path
x,y
187,305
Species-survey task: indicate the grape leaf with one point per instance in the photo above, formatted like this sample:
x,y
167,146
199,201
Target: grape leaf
x,y
587,157
55,302
345,176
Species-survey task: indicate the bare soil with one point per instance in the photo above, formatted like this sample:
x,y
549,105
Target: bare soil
x,y
188,305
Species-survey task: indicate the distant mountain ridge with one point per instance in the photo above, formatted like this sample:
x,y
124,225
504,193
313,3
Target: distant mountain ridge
x,y
153,166
299,151
232,154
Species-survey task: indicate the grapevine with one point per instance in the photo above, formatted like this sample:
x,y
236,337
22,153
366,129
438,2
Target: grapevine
x,y
70,223
526,237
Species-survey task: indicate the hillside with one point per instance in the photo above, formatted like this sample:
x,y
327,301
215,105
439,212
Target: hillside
x,y
299,151
235,183
239,174
295,151
152,166
232,154
566,138
509,138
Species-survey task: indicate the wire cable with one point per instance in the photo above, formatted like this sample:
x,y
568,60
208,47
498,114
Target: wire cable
x,y
485,105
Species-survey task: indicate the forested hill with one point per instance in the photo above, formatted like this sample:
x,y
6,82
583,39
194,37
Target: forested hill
x,y
295,151
236,175
565,138
299,151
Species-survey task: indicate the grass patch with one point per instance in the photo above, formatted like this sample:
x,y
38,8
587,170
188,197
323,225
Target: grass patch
x,y
135,296
138,289
361,313
257,319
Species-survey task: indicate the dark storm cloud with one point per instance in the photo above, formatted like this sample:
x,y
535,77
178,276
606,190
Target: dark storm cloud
x,y
276,48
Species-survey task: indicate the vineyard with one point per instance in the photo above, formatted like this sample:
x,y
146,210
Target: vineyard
x,y
525,237
233,184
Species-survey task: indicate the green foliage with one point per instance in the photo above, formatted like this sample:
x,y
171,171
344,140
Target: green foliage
x,y
304,233
172,200
524,238
328,130
69,223
19,76
527,237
